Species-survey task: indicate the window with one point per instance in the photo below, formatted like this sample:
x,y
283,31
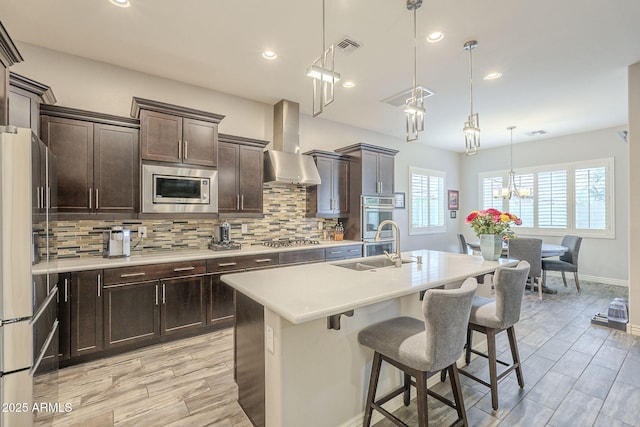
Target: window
x,y
427,201
567,198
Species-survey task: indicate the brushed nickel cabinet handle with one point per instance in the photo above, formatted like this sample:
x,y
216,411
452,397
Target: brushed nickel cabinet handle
x,y
381,186
242,202
164,299
97,207
180,149
237,202
99,284
354,250
156,294
90,192
38,197
335,252
227,264
124,276
48,203
66,290
264,260
183,269
42,201
186,149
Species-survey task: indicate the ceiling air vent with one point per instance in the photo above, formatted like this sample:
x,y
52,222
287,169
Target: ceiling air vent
x,y
347,45
537,132
401,98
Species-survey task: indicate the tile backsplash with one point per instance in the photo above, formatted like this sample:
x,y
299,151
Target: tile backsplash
x,y
284,217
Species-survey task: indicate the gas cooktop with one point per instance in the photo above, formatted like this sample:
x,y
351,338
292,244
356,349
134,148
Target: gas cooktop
x,y
290,242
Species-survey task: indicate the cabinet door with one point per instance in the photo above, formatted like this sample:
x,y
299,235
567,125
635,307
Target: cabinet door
x,y
86,312
183,304
132,312
341,186
385,174
325,189
369,173
23,109
220,302
228,196
161,136
200,142
116,168
71,141
250,179
64,312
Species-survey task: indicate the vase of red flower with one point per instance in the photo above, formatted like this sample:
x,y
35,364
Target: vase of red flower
x,y
492,227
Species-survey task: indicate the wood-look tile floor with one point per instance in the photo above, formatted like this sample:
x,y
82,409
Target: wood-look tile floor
x,y
576,374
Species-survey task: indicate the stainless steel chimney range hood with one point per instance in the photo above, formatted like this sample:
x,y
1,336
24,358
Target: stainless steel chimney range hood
x,y
284,164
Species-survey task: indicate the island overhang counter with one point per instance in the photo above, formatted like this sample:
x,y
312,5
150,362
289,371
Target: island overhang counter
x,y
290,367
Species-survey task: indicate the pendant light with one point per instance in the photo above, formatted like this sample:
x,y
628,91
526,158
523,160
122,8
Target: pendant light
x,y
323,74
414,106
472,125
511,190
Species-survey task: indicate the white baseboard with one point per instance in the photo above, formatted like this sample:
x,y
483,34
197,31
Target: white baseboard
x,y
589,278
633,329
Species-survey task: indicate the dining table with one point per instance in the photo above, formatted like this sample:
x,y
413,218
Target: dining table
x,y
548,250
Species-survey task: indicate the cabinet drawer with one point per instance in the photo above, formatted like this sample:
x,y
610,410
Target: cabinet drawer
x,y
342,252
241,262
153,272
300,257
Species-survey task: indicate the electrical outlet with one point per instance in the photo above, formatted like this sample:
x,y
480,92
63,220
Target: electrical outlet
x,y
320,225
244,228
270,339
142,232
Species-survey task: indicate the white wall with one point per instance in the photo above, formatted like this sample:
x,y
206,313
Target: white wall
x,y
96,86
601,258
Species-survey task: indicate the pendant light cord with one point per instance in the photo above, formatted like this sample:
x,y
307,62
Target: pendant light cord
x,y
470,82
415,53
324,49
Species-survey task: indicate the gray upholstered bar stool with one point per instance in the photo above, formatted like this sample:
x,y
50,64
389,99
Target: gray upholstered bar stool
x,y
530,250
492,316
418,347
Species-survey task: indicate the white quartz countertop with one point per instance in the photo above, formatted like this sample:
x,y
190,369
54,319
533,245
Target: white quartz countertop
x,y
96,263
313,291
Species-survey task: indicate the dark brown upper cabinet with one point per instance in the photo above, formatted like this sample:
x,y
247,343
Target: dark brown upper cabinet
x,y
330,199
175,134
25,97
9,55
372,169
240,168
97,162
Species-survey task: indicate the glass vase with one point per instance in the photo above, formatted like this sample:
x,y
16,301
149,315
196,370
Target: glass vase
x,y
491,246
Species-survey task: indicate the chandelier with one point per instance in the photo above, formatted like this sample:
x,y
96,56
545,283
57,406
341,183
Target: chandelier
x,y
471,127
323,74
414,106
511,190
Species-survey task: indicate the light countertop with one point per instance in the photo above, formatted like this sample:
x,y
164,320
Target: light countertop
x,y
313,291
97,262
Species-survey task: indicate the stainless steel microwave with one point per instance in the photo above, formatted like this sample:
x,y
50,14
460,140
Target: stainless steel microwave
x,y
170,189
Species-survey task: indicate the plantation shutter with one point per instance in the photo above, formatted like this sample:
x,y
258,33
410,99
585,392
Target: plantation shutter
x,y
552,199
591,198
492,186
427,201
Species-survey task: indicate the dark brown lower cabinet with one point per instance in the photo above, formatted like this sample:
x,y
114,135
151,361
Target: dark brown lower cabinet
x,y
131,311
220,302
183,304
86,312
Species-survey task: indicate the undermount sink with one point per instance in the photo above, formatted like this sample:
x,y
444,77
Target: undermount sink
x,y
370,264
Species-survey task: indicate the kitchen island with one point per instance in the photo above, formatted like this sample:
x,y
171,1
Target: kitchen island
x,y
297,359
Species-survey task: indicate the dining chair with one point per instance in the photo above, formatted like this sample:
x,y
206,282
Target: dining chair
x,y
491,316
464,249
530,250
418,347
568,262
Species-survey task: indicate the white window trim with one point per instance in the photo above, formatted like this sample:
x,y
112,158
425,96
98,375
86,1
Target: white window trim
x,y
427,230
607,163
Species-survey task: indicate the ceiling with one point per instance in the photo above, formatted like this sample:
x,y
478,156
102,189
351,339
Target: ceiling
x,y
564,62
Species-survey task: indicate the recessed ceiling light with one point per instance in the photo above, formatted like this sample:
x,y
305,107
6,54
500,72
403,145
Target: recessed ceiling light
x,y
269,54
435,37
121,3
348,84
493,76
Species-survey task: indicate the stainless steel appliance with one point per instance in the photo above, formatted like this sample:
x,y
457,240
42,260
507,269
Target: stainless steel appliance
x,y
223,233
375,210
170,189
28,302
116,242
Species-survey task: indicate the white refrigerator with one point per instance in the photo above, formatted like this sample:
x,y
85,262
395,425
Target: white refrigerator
x,y
28,304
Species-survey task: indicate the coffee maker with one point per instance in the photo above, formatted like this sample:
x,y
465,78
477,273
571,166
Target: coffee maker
x,y
116,242
223,233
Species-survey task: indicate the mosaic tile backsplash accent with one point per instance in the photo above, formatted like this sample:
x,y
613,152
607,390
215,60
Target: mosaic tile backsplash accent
x,y
284,217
